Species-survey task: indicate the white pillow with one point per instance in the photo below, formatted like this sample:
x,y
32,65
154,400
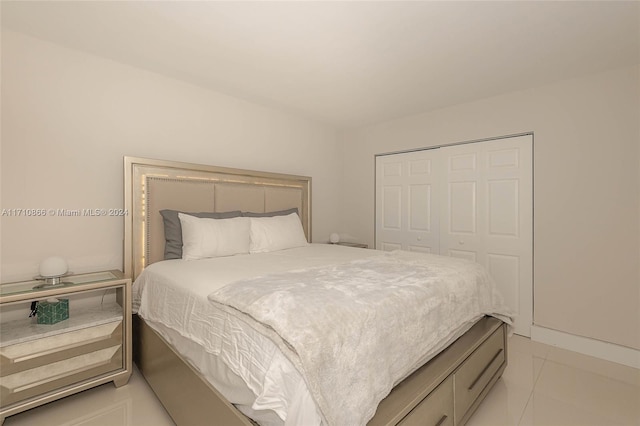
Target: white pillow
x,y
204,237
276,233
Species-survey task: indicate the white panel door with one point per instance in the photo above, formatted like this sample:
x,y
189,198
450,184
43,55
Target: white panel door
x,y
406,216
473,201
486,215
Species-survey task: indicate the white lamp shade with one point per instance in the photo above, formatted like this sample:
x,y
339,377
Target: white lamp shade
x,y
54,266
334,238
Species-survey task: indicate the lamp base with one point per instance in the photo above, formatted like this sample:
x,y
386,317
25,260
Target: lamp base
x,y
50,281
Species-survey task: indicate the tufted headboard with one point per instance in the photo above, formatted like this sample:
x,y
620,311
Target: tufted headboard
x,y
154,185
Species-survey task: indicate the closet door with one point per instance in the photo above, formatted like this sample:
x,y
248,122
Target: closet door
x,y
473,201
486,215
406,213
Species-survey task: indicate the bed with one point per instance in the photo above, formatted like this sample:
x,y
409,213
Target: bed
x,y
199,384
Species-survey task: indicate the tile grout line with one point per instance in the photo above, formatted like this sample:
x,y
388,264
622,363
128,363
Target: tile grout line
x,y
535,383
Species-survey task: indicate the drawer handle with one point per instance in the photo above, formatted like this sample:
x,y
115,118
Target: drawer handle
x,y
484,370
442,420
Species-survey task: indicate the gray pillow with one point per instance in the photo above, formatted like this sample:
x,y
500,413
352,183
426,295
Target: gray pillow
x,y
271,214
173,229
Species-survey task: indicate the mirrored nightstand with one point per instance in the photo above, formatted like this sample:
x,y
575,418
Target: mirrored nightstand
x,y
40,363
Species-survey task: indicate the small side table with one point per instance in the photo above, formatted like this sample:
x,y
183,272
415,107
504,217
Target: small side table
x,y
40,363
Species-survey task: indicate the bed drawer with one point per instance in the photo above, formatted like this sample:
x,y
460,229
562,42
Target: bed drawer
x,y
477,371
435,410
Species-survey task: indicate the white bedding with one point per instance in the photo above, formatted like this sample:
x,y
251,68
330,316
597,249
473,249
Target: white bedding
x,y
172,295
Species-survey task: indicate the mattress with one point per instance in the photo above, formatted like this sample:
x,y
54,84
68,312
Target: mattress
x,y
244,365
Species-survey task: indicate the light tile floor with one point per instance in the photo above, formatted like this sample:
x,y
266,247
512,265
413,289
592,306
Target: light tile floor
x,y
132,405
548,386
542,386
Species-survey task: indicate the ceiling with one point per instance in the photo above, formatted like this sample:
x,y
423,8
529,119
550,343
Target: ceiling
x,y
352,63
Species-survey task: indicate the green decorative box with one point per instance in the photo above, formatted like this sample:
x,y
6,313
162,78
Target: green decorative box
x,y
53,312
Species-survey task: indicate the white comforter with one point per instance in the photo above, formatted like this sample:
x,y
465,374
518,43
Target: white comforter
x,y
354,330
248,368
172,297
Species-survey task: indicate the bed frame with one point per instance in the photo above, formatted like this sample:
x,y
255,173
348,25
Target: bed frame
x,y
445,391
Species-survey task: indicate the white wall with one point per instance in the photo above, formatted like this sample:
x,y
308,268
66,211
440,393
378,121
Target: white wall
x,y
586,191
68,118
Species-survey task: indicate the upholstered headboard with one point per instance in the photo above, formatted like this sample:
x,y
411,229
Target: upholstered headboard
x,y
154,185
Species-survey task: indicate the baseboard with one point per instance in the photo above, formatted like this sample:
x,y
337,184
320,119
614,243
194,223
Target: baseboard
x,y
584,345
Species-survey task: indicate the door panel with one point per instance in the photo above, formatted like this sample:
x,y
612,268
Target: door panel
x,y
392,168
462,254
392,208
407,217
506,269
390,246
420,249
462,207
462,162
503,207
500,208
419,207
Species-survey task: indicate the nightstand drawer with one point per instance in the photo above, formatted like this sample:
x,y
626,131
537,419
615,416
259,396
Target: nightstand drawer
x,y
39,366
477,371
40,380
48,350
